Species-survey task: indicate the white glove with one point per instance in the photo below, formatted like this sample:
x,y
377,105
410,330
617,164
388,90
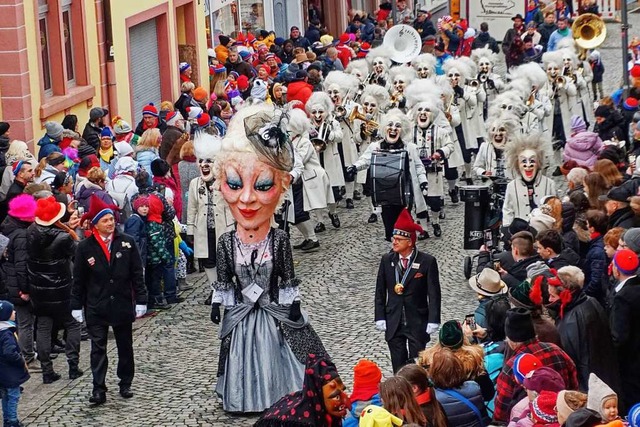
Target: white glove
x,y
140,310
432,327
381,325
77,314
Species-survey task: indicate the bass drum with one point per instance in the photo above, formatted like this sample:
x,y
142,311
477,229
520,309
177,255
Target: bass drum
x,y
476,200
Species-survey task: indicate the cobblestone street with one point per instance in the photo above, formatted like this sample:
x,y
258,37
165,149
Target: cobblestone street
x,y
176,351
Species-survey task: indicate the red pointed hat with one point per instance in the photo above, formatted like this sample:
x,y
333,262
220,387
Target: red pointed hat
x,y
97,209
405,226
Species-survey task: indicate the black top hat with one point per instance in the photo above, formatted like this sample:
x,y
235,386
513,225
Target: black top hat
x,y
518,16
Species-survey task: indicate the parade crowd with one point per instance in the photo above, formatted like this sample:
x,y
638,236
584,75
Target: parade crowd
x,y
104,221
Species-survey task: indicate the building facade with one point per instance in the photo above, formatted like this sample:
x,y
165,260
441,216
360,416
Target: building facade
x,y
60,57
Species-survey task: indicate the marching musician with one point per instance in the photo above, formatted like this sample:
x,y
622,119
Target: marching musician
x,y
452,114
562,93
528,79
425,66
326,133
380,65
407,301
432,135
490,161
374,100
395,138
574,69
491,82
341,86
401,76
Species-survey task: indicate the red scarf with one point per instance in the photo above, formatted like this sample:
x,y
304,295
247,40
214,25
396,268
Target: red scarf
x,y
424,397
594,235
102,244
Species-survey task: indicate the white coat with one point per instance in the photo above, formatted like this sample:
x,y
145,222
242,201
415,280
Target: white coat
x,y
437,139
331,155
584,101
487,160
416,170
197,216
469,108
516,200
316,188
456,159
567,102
349,148
361,178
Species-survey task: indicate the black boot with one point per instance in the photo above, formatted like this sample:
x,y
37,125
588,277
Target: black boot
x,y
310,245
335,221
424,235
349,204
437,231
98,397
454,195
356,195
320,228
75,372
50,377
301,244
441,214
372,218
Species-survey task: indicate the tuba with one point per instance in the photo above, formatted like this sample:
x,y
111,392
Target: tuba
x,y
589,31
369,124
404,41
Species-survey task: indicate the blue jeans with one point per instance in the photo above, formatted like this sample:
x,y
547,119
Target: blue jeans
x,y
10,398
155,275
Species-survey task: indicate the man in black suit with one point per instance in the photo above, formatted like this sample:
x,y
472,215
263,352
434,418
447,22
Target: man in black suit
x,y
108,283
407,302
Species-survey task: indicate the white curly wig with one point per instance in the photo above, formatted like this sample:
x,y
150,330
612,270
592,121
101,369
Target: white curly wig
x,y
484,52
425,59
513,99
380,94
532,73
381,51
552,57
536,142
423,90
343,81
396,115
466,71
407,74
508,119
358,68
298,122
319,98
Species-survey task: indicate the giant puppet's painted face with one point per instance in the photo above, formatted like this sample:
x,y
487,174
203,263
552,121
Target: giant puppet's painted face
x,y
484,66
392,131
454,77
335,399
423,71
423,116
528,164
370,106
379,66
317,114
399,84
498,135
553,70
335,94
206,169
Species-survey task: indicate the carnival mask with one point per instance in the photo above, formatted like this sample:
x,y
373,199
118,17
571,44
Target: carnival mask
x,y
399,85
423,71
567,62
499,137
370,106
358,74
335,399
393,130
553,70
317,115
454,77
206,172
424,117
378,65
528,164
335,94
484,66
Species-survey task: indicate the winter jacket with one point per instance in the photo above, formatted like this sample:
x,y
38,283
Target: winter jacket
x,y
49,250
611,127
83,195
240,67
171,184
485,40
518,271
425,28
595,268
91,134
352,419
458,413
586,338
312,34
555,38
584,148
454,41
47,146
187,170
48,175
14,269
509,36
140,128
184,101
545,31
597,68
624,218
136,227
122,186
12,367
299,91
108,289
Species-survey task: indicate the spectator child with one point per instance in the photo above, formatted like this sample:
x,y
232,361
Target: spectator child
x,y
158,254
136,225
602,399
366,381
13,369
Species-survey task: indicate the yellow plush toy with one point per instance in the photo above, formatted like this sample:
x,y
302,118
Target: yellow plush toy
x,y
375,416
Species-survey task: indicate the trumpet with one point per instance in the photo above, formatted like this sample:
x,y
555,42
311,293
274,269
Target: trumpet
x,y
340,111
370,125
532,97
475,83
369,79
560,82
482,77
320,141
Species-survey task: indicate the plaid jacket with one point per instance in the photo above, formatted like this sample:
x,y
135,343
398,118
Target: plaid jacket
x,y
550,355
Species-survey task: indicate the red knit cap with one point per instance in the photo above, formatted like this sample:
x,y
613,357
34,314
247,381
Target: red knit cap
x,y
626,261
405,226
543,409
243,82
366,380
344,38
635,71
150,110
204,120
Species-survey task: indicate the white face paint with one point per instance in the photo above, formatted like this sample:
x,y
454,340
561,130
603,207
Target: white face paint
x,y
358,74
399,84
206,166
334,93
553,70
485,66
528,164
393,130
567,61
318,114
454,77
423,116
378,65
370,106
423,71
498,137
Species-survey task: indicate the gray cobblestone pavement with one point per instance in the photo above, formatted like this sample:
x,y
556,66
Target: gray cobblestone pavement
x,y
177,351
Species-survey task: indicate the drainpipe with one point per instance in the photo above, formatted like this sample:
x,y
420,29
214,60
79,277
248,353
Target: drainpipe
x,y
110,66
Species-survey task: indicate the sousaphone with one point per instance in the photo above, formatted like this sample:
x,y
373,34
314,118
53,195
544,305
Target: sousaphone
x,y
405,43
589,31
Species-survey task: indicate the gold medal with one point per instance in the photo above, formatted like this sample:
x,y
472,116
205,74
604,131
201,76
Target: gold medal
x,y
399,289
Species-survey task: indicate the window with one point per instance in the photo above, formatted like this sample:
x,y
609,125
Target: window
x,y
67,29
43,11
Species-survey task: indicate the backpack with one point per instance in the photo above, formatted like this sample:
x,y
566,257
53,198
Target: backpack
x,y
123,202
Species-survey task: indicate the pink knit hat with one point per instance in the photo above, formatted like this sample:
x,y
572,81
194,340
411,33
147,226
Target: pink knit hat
x,y
23,207
578,124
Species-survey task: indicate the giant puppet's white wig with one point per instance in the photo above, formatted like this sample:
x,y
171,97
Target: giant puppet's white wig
x,y
425,59
319,98
484,52
463,67
377,92
407,74
344,82
534,141
531,72
396,115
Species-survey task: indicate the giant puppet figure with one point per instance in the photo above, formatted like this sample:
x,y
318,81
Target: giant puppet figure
x,y
431,132
207,213
525,156
396,137
342,87
327,135
265,335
